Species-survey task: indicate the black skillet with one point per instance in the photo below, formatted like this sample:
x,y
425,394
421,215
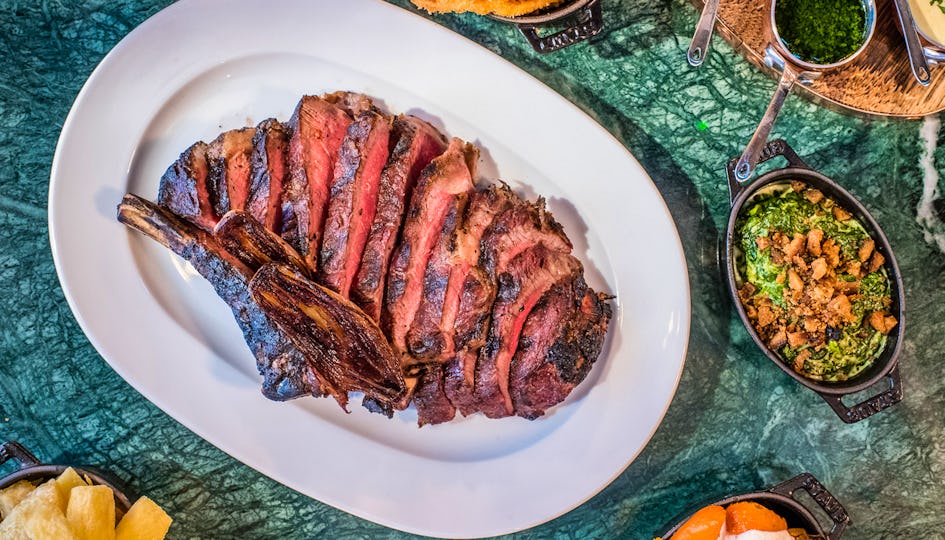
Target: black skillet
x,y
780,499
30,468
886,366
581,19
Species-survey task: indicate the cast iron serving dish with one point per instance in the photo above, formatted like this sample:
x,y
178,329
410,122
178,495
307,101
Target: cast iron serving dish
x,y
580,19
886,366
780,499
30,468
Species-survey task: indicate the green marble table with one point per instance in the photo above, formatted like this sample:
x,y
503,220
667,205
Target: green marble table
x,y
737,422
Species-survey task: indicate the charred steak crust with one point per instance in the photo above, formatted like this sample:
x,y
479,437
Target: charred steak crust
x,y
422,343
559,344
183,188
432,333
414,144
316,130
527,278
268,167
286,374
446,177
433,407
228,158
354,193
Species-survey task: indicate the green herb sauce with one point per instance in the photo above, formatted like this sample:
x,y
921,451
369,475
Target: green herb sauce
x,y
853,346
821,31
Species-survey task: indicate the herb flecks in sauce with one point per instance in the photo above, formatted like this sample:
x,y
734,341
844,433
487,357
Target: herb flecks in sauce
x,y
814,284
821,31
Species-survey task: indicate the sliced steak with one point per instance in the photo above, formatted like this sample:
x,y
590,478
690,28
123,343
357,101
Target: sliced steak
x,y
253,244
415,144
527,278
433,407
446,177
559,343
268,168
344,346
183,188
431,334
286,374
516,226
316,130
228,180
423,342
351,207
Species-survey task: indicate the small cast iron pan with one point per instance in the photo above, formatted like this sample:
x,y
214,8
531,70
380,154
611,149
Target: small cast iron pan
x,y
32,469
780,499
582,19
886,366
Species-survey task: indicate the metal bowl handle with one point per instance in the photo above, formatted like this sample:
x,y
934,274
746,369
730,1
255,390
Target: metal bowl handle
x,y
588,22
823,498
771,150
871,406
15,451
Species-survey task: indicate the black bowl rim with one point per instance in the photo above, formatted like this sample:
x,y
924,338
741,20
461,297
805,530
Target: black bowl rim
x,y
547,15
43,472
801,516
886,362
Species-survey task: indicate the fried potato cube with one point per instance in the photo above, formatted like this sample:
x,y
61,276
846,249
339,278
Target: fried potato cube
x,y
38,517
144,521
66,481
91,512
13,495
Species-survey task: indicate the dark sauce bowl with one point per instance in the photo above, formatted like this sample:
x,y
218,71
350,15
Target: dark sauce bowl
x,y
30,468
580,19
780,499
886,365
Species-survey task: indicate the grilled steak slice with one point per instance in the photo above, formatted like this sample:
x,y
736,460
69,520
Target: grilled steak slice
x,y
416,143
516,226
285,372
559,344
449,175
351,208
431,334
268,168
183,188
253,244
433,407
343,345
228,178
527,278
316,130
420,343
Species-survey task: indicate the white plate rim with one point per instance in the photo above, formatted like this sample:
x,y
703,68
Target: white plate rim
x,y
59,232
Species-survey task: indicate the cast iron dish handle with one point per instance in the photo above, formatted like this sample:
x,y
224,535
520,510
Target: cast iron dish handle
x,y
15,451
775,148
871,406
588,23
823,498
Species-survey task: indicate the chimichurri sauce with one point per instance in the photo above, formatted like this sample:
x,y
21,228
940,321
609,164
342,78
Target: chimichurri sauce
x,y
814,285
821,31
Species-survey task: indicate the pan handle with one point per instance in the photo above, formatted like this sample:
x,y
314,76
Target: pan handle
x,y
823,498
12,450
587,22
871,406
771,150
